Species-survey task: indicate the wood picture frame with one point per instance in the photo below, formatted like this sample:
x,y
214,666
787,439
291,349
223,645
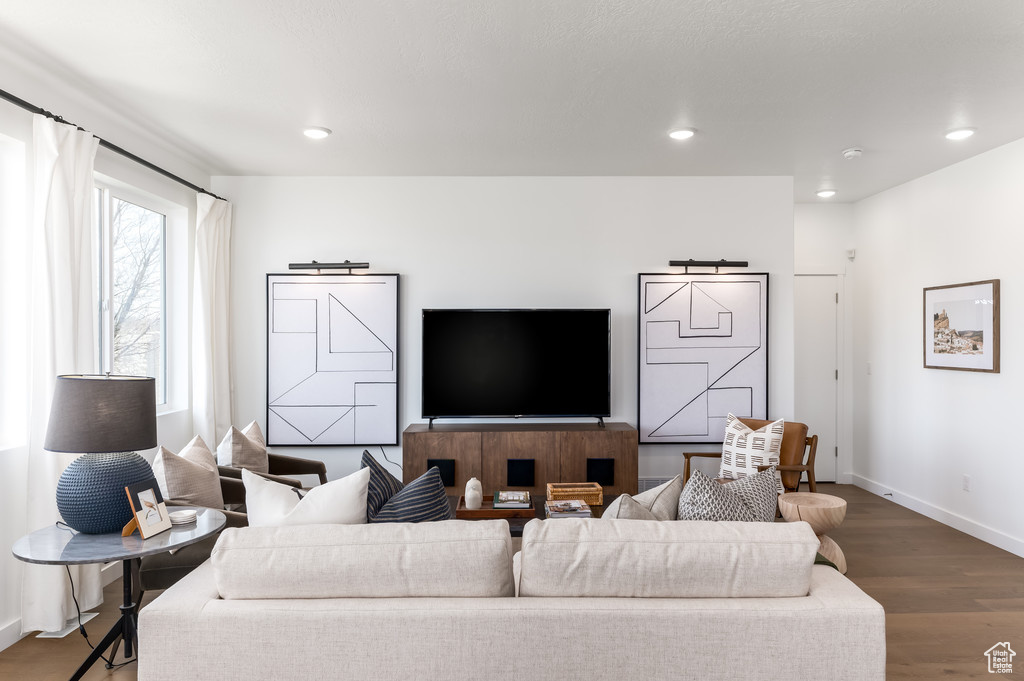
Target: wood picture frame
x,y
961,326
151,517
332,359
702,354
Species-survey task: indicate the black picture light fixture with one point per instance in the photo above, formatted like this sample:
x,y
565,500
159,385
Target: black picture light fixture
x,y
707,263
314,265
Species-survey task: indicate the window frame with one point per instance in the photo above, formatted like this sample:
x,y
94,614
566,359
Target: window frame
x,y
175,281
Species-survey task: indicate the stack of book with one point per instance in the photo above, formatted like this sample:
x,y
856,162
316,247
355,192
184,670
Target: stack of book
x,y
512,499
569,508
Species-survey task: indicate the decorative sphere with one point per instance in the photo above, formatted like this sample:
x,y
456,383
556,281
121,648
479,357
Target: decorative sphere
x,y
90,493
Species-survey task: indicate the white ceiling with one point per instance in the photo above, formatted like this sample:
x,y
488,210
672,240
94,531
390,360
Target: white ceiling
x,y
549,87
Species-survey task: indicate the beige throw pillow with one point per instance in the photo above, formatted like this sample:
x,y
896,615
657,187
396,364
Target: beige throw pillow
x,y
244,448
190,477
660,503
745,449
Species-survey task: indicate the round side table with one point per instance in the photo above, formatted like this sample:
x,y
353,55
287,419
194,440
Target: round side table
x,y
823,512
55,545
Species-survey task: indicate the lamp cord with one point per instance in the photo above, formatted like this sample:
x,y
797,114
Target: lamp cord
x,y
385,455
78,610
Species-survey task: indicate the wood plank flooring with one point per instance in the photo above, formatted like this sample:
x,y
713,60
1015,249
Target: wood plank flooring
x,y
948,598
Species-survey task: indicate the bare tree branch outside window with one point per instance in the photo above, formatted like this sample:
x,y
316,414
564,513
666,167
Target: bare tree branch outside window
x,y
137,274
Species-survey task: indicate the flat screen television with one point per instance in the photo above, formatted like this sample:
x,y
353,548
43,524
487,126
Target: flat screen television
x,y
512,363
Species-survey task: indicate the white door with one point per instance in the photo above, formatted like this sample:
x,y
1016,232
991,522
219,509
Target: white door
x,y
816,305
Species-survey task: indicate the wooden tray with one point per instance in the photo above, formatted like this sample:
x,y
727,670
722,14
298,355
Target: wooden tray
x,y
487,511
589,492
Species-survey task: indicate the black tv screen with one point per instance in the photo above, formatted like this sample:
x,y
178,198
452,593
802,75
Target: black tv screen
x,y
510,363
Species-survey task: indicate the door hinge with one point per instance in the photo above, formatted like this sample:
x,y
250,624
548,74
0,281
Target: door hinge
x,y
837,452
837,374
837,297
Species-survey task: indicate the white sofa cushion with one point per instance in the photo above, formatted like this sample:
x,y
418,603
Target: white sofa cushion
x,y
450,558
658,559
341,501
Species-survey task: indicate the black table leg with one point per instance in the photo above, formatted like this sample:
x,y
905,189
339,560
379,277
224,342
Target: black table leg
x,y
123,631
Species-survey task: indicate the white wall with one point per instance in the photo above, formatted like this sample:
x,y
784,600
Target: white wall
x,y
505,242
919,431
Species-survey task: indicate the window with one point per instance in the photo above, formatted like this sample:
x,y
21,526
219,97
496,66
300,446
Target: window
x,y
133,288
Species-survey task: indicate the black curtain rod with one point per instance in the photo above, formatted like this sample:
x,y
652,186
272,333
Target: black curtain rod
x,y
18,101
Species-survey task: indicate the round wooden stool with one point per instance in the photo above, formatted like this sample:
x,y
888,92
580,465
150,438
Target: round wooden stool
x,y
823,512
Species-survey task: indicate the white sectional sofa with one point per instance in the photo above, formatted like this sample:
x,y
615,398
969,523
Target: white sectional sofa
x,y
597,600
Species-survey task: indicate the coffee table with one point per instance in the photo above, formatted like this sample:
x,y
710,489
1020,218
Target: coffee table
x,y
823,512
60,545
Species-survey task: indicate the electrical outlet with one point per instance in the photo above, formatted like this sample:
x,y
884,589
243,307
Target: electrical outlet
x,y
967,483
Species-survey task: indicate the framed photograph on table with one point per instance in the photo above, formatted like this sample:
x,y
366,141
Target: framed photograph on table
x,y
151,517
961,326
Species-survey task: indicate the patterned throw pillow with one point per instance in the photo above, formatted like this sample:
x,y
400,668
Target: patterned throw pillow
x,y
244,448
339,502
751,499
189,477
661,503
422,500
382,486
745,449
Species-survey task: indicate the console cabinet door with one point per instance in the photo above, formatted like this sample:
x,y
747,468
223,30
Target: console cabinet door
x,y
575,447
500,447
462,447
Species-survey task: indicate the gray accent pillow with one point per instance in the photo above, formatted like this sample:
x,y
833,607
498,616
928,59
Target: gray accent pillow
x,y
244,448
752,499
190,477
662,502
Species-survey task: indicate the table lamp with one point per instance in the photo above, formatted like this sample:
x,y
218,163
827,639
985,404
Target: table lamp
x,y
104,418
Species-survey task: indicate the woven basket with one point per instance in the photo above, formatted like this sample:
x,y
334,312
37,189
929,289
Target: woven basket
x,y
587,492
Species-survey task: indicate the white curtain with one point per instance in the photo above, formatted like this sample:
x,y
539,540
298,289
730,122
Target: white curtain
x,y
63,340
211,370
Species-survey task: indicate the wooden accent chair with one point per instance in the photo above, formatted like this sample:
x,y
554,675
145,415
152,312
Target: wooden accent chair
x,y
795,458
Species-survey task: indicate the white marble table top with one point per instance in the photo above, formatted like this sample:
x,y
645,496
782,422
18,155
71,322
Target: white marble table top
x,y
60,545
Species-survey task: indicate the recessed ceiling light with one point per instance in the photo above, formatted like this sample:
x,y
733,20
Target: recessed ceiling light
x,y
960,133
316,133
826,193
682,133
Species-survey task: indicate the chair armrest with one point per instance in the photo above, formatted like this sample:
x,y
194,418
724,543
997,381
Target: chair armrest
x,y
231,473
688,455
293,465
234,518
786,467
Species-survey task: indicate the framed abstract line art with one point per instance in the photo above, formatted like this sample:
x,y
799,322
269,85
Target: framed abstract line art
x,y
703,354
332,359
961,326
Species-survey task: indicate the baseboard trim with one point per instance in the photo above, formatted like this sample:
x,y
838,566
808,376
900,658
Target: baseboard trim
x,y
10,634
983,532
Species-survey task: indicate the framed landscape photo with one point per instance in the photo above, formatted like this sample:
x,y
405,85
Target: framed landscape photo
x,y
961,326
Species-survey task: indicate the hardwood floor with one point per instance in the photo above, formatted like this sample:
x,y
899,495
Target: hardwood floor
x,y
948,598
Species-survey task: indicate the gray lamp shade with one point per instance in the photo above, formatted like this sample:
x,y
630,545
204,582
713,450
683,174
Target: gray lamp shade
x,y
105,418
102,414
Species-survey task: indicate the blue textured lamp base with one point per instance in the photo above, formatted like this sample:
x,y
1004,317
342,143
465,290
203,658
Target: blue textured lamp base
x,y
90,493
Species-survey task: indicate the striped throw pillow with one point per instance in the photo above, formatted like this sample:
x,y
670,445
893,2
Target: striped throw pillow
x,y
381,488
422,500
745,449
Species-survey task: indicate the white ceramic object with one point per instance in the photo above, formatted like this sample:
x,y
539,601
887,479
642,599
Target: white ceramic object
x,y
474,494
